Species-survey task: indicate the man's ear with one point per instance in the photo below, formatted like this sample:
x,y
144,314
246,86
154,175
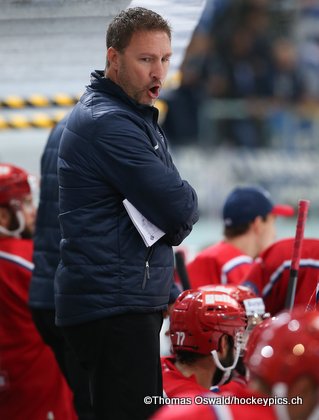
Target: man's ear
x,y
223,346
256,223
112,57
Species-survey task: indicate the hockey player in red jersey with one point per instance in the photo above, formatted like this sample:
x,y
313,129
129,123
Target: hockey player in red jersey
x,y
206,330
249,227
31,384
282,357
269,275
223,406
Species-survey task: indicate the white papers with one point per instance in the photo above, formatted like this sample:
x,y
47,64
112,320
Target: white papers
x,y
149,232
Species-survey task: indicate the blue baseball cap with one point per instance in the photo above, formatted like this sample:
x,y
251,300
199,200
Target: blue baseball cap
x,y
244,204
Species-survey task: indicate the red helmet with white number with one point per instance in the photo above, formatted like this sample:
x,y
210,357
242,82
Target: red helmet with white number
x,y
287,348
14,184
199,318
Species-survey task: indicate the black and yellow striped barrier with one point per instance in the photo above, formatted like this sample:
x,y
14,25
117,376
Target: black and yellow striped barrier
x,y
21,122
39,101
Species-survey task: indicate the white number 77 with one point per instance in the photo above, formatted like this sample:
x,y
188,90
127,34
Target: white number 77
x,y
180,337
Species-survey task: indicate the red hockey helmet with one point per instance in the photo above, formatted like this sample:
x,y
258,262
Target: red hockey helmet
x,y
287,348
254,306
255,336
199,318
14,184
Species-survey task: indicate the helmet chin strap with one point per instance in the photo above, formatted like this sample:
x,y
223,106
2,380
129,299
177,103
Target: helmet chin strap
x,y
16,232
226,369
225,377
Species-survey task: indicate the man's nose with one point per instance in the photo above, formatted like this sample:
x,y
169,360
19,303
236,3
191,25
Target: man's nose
x,y
159,70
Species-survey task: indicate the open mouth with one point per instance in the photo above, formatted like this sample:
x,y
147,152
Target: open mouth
x,y
154,91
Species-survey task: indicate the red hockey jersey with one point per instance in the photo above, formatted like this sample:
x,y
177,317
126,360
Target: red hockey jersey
x,y
220,263
175,383
31,384
269,275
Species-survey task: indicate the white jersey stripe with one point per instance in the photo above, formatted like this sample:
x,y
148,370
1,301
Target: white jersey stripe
x,y
306,262
231,264
222,412
17,260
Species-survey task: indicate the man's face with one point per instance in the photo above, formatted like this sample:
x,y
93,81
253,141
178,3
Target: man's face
x,y
141,69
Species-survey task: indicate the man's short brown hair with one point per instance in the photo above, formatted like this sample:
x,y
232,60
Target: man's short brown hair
x,y
129,21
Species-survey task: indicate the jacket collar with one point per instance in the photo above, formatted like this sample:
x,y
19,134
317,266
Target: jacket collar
x,y
99,82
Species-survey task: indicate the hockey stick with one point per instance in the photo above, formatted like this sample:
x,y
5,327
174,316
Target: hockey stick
x,y
181,270
295,259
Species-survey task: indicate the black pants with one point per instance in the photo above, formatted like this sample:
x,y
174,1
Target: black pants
x,y
76,376
122,354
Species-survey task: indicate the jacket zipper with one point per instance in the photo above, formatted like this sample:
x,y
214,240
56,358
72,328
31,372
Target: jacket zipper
x,y
147,275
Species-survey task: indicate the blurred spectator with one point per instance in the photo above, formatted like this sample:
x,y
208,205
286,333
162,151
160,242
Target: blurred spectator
x,y
227,58
286,82
306,33
286,88
234,66
181,122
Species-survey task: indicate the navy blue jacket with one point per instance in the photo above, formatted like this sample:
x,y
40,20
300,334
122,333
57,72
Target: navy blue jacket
x,y
111,149
47,237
